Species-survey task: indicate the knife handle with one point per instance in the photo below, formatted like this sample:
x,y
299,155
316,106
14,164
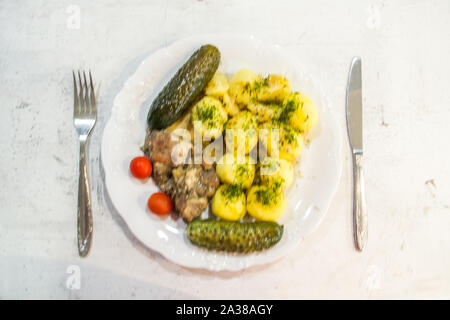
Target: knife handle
x,y
359,203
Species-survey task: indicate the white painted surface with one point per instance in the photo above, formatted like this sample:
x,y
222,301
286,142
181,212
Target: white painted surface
x,y
405,48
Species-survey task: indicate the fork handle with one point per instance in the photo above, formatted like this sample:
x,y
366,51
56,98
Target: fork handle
x,y
84,216
359,203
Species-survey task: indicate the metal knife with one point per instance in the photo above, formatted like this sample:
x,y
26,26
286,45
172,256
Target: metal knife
x,y
354,111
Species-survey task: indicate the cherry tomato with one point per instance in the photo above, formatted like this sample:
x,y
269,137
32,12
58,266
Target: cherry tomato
x,y
160,203
141,167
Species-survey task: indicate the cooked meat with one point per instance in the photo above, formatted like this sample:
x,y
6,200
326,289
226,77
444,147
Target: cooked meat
x,y
158,146
190,206
186,177
168,186
161,172
209,182
189,186
207,164
194,185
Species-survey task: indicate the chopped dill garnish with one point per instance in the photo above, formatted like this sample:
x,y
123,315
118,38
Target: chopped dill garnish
x,y
231,192
290,136
247,88
266,195
289,108
259,84
242,170
256,86
207,114
277,185
272,166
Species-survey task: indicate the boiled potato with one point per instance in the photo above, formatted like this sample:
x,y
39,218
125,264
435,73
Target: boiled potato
x,y
265,111
211,116
218,85
291,141
229,202
242,85
244,76
273,88
266,203
231,171
276,172
241,134
300,112
230,105
183,123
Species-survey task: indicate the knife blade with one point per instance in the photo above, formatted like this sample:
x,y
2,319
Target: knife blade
x,y
354,110
354,106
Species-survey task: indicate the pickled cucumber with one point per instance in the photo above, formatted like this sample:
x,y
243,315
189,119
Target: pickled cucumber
x,y
233,236
184,88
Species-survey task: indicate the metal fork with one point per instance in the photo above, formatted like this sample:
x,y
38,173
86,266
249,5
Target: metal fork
x,y
84,118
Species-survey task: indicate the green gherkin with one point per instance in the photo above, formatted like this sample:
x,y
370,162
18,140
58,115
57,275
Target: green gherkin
x,y
184,88
234,236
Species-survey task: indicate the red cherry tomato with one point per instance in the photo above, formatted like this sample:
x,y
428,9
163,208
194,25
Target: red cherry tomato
x,y
160,203
141,167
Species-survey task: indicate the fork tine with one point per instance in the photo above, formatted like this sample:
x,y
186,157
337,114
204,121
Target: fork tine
x,y
76,105
86,95
80,97
93,103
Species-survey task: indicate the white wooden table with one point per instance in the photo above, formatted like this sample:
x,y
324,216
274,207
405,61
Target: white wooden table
x,y
405,47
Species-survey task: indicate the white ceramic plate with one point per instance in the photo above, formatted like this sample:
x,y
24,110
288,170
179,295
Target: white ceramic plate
x,y
308,198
